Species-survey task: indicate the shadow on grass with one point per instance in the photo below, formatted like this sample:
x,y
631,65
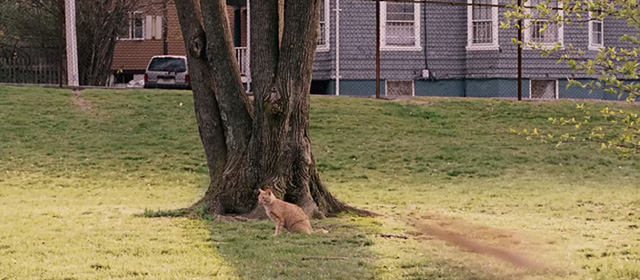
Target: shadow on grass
x,y
353,249
200,213
164,213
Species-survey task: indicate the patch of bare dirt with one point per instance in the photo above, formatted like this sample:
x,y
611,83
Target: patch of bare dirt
x,y
83,104
496,243
414,101
420,102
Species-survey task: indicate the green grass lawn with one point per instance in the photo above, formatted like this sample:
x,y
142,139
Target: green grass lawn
x,y
76,175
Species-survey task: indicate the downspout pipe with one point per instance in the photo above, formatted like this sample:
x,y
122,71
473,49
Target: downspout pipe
x,y
337,47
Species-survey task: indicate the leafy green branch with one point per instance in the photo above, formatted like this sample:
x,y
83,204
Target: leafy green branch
x,y
617,130
612,68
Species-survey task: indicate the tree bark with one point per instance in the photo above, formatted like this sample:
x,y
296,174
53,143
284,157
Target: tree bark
x,y
205,102
267,145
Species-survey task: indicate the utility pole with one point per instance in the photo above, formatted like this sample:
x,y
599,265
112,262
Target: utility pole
x,y
165,28
72,45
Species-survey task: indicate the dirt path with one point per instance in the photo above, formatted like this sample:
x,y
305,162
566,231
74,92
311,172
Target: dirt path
x,y
474,238
84,105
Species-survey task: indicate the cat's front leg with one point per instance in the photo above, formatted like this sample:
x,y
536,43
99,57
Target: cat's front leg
x,y
279,226
278,230
278,221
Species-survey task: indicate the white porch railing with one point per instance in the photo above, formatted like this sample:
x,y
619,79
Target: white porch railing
x,y
243,61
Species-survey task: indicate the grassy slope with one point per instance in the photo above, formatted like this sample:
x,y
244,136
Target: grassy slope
x,y
72,181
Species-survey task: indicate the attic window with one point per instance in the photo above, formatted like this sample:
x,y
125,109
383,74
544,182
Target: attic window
x,y
595,31
482,25
400,26
543,29
323,38
134,29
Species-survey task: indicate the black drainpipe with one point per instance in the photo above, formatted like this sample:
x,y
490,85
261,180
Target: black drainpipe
x,y
424,27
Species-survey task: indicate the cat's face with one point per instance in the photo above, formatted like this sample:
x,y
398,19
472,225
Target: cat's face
x,y
265,197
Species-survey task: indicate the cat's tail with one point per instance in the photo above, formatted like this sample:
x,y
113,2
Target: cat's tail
x,y
320,231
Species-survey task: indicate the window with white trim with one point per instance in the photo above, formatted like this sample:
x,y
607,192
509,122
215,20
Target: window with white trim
x,y
323,37
544,30
482,25
400,26
134,29
596,40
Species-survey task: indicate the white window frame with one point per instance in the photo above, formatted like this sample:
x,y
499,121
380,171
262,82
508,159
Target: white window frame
x,y
130,23
593,46
557,85
413,87
327,19
529,28
383,30
494,45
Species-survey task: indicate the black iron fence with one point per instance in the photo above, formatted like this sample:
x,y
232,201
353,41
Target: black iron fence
x,y
32,66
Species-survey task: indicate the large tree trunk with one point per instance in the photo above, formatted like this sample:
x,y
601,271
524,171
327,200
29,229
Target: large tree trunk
x,y
265,144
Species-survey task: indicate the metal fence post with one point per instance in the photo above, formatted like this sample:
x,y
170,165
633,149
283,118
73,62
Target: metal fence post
x,y
337,47
520,45
377,49
61,43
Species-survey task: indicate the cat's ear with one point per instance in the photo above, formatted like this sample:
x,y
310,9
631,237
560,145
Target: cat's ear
x,y
261,191
268,191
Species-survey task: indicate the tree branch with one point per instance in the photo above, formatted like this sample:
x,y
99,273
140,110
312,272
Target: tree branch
x,y
293,81
630,146
266,137
296,53
235,109
206,104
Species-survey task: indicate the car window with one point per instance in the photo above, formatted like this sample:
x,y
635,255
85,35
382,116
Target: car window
x,y
168,64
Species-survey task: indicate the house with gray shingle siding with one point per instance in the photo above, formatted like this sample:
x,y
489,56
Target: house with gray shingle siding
x,y
448,50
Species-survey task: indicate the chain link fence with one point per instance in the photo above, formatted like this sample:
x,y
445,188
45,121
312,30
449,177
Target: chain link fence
x,y
450,48
31,42
35,48
445,48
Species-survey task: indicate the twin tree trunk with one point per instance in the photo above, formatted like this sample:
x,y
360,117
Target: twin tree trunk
x,y
264,144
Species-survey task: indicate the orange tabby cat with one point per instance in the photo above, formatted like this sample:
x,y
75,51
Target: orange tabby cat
x,y
284,214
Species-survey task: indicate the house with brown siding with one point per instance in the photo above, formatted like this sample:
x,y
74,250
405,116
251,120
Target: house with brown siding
x,y
154,29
